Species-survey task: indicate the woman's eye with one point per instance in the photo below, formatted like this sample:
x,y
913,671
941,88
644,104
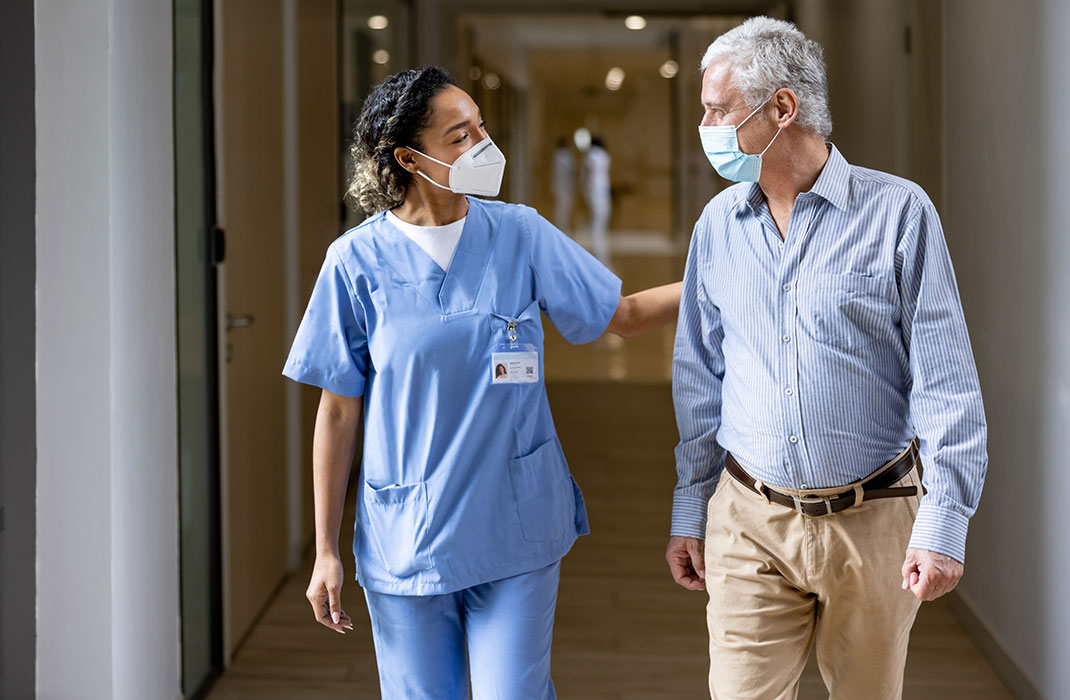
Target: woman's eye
x,y
462,138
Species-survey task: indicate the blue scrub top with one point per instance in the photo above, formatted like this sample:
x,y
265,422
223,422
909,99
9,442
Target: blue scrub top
x,y
463,481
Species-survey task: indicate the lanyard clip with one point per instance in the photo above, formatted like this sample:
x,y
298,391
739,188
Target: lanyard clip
x,y
511,329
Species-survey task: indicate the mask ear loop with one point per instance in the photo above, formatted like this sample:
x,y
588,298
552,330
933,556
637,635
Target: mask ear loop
x,y
779,128
428,177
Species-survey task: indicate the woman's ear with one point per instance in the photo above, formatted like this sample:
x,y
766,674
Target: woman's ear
x,y
785,106
406,158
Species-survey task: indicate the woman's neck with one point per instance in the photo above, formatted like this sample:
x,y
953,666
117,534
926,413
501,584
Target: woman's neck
x,y
425,208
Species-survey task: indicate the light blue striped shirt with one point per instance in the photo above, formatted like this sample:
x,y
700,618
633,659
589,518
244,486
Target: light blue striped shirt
x,y
817,358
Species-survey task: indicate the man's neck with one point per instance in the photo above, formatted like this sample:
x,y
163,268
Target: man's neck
x,y
801,161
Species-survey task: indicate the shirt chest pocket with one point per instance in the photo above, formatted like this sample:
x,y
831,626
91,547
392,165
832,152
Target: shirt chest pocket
x,y
847,311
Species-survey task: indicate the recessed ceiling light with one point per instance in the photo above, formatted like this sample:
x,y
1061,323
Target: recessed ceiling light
x,y
491,81
378,22
669,69
615,78
635,22
382,57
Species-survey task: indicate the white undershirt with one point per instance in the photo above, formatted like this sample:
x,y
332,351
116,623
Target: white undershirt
x,y
439,242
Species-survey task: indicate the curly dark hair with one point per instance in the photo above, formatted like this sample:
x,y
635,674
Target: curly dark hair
x,y
393,114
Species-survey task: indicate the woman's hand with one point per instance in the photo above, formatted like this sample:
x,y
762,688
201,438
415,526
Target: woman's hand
x,y
325,593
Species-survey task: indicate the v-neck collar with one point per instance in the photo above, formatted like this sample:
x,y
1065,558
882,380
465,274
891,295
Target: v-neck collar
x,y
455,289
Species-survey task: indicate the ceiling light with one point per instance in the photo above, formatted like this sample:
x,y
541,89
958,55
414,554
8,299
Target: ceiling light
x,y
378,22
475,73
582,139
615,78
491,81
669,69
382,57
635,22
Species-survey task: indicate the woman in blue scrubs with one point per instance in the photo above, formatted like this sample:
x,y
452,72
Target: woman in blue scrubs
x,y
425,325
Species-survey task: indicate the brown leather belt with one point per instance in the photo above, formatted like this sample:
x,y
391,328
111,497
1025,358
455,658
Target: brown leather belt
x,y
873,488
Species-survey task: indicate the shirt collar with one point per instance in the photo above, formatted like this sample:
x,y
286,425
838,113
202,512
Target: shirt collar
x,y
832,185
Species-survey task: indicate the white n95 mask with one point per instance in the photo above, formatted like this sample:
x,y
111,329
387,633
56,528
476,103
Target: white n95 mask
x,y
721,145
478,170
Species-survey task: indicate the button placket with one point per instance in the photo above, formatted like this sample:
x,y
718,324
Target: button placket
x,y
801,218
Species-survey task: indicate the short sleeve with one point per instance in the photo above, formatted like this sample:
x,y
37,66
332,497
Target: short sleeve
x,y
330,349
577,292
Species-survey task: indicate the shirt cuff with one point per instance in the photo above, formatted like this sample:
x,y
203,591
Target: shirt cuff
x,y
940,530
689,516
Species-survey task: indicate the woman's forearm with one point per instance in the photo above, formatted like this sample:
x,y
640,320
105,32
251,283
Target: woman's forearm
x,y
333,445
643,311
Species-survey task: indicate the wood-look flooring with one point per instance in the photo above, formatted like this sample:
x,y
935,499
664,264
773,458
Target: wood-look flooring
x,y
624,630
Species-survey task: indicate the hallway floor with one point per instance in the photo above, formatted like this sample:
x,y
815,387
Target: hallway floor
x,y
624,629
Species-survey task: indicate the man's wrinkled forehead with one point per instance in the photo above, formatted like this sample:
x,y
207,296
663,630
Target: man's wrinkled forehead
x,y
718,88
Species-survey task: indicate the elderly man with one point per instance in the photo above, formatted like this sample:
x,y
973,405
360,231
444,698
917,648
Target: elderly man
x,y
821,345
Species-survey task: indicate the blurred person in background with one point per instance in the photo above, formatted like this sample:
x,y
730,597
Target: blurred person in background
x,y
465,503
563,183
596,192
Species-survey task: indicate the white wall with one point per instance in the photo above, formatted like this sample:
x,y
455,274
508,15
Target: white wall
x,y
1006,210
107,517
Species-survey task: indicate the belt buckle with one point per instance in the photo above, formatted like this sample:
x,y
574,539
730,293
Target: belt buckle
x,y
800,502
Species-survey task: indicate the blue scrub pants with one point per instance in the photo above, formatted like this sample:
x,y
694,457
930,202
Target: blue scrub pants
x,y
505,627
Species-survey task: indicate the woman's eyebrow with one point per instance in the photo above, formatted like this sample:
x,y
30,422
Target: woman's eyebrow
x,y
455,127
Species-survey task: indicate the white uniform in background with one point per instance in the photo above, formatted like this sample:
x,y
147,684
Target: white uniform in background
x,y
563,177
596,192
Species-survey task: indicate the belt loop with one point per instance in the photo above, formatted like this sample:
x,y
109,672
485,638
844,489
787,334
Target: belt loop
x,y
760,488
859,494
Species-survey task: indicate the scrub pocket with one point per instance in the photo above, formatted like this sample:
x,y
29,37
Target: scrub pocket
x,y
542,487
850,311
397,519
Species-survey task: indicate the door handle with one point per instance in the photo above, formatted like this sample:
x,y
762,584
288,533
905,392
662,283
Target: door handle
x,y
238,321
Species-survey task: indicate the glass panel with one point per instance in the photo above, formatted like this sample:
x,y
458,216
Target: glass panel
x,y
196,323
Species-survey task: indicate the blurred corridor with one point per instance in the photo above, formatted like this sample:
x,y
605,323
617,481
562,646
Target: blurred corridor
x,y
173,172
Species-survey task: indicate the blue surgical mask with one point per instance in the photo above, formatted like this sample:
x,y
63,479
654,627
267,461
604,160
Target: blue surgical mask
x,y
722,148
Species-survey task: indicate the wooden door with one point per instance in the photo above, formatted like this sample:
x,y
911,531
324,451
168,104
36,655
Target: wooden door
x,y
254,499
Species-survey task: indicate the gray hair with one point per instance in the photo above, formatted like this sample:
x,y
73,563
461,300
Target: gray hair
x,y
769,54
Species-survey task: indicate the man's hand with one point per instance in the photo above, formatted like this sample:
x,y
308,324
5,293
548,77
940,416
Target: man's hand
x,y
687,562
929,575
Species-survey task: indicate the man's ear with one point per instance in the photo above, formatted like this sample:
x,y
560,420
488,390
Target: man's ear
x,y
406,158
786,106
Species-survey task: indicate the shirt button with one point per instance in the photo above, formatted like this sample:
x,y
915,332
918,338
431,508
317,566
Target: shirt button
x,y
787,287
789,391
805,486
792,439
780,245
786,339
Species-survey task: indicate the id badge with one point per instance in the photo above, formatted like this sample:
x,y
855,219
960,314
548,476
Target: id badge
x,y
514,363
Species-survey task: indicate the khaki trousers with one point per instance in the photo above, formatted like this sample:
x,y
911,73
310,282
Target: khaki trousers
x,y
779,582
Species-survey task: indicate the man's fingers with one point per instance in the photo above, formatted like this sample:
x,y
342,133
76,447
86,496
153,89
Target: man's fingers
x,y
684,555
698,557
